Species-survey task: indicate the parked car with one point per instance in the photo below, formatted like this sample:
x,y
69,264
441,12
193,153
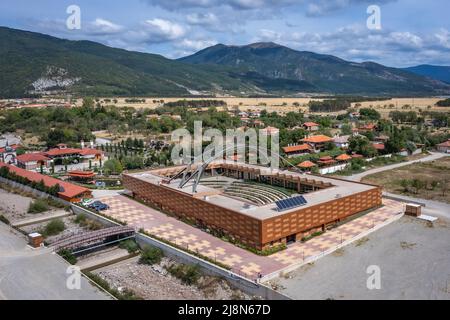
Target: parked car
x,y
87,202
99,206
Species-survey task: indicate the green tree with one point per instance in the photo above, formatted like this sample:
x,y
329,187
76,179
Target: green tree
x,y
113,166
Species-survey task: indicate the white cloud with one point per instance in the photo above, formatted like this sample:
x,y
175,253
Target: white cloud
x,y
161,30
443,37
102,26
195,45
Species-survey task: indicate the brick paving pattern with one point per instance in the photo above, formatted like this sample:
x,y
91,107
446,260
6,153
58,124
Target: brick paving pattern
x,y
241,261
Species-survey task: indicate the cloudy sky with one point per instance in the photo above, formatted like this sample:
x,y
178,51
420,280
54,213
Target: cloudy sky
x,y
412,31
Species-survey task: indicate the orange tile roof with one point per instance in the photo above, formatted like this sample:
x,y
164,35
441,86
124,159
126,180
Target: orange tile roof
x,y
318,139
82,174
306,164
68,190
310,124
28,157
343,157
89,151
60,152
301,147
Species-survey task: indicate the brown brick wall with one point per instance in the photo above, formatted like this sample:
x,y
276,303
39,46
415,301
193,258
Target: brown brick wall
x,y
247,229
316,216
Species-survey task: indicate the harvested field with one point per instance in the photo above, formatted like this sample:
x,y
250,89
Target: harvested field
x,y
433,177
397,104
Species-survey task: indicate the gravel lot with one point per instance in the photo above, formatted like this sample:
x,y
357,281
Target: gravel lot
x,y
154,283
14,206
414,259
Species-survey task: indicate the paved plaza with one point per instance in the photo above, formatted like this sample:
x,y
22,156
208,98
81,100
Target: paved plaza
x,y
242,261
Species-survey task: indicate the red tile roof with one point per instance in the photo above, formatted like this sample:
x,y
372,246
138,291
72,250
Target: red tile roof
x,y
89,151
310,124
60,152
28,157
301,147
378,146
357,156
318,139
444,144
69,190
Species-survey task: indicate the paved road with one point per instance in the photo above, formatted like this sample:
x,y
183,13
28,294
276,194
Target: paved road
x,y
360,176
433,208
27,274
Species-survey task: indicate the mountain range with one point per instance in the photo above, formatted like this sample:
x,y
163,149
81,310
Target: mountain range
x,y
33,63
441,73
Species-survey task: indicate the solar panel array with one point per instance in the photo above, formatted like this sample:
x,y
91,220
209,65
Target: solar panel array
x,y
290,203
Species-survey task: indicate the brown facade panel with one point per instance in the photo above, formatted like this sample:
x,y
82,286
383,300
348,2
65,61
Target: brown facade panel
x,y
254,232
319,215
245,228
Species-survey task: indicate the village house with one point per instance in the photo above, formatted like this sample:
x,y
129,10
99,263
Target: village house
x,y
380,147
8,154
342,141
33,161
67,191
297,150
318,142
444,147
270,131
83,155
311,126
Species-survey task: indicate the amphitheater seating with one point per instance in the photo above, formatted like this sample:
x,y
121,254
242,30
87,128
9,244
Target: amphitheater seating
x,y
257,193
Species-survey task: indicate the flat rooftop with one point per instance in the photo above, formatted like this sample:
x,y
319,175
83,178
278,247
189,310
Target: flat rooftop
x,y
339,189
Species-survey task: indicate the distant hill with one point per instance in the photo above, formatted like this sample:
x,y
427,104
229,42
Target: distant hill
x,y
33,63
324,72
441,73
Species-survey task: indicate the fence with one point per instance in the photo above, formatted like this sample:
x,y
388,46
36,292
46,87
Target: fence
x,y
235,280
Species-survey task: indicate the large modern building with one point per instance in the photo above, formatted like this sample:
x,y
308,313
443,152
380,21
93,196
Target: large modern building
x,y
255,205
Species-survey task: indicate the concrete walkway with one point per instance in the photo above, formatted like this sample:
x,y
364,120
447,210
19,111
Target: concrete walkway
x,y
44,218
241,261
359,176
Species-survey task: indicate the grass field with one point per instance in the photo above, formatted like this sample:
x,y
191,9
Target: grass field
x,y
432,180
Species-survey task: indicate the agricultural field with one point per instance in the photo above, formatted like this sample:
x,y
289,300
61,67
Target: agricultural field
x,y
429,180
253,104
397,104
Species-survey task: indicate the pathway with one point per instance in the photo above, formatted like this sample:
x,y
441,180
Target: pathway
x,y
241,261
360,176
